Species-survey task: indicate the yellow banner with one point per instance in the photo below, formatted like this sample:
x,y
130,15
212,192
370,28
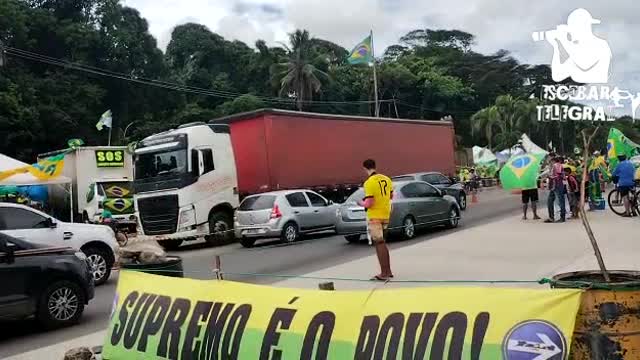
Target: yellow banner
x,y
157,317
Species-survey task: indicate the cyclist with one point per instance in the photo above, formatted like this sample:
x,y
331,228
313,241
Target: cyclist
x,y
623,176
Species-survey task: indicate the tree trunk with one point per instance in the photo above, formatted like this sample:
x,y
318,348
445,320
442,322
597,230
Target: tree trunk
x,y
583,214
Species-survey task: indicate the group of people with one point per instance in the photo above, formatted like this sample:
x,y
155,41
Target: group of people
x,y
563,178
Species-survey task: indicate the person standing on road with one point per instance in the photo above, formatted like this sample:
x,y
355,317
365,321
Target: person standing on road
x,y
624,177
530,196
573,192
378,192
556,191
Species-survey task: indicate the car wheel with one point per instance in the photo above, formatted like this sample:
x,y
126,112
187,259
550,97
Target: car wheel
x,y
352,238
454,218
171,245
408,228
290,232
99,265
248,243
221,228
61,304
462,201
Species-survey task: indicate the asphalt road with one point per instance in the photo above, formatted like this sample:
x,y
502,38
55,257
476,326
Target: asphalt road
x,y
269,257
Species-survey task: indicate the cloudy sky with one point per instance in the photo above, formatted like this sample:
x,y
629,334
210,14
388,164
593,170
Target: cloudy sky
x,y
497,24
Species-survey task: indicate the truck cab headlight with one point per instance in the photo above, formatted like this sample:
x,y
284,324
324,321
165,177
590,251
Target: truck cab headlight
x,y
187,217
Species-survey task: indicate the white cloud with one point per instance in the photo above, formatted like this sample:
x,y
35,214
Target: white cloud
x,y
497,24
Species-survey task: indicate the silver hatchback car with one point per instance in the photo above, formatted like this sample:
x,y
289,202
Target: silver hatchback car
x,y
284,214
416,204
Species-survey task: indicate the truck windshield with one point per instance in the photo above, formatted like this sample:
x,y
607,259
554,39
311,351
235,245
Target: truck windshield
x,y
162,163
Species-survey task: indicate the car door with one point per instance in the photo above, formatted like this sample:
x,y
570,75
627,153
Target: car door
x,y
31,226
324,217
433,206
411,203
15,273
302,212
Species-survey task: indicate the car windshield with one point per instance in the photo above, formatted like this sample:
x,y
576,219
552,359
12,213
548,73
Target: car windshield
x,y
403,178
261,202
161,163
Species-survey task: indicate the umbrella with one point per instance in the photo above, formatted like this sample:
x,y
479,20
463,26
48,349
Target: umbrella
x,y
521,172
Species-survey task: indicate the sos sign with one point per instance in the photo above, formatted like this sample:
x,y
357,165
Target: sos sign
x,y
110,158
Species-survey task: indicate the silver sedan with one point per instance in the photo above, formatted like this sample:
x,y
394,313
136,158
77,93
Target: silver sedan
x,y
416,204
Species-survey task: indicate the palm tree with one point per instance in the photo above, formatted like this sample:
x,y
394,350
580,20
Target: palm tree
x,y
486,119
299,74
504,121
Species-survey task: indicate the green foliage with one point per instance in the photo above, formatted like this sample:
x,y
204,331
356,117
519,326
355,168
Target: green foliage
x,y
430,73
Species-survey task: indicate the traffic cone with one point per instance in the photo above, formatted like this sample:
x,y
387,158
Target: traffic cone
x,y
474,198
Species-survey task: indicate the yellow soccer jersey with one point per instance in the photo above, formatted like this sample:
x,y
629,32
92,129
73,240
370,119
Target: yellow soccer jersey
x,y
379,187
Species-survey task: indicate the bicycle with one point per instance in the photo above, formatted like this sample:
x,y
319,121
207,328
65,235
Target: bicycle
x,y
616,202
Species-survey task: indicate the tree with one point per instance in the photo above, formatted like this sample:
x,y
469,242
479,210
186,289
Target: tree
x,y
503,122
298,74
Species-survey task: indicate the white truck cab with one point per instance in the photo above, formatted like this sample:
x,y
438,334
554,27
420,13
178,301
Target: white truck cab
x,y
186,185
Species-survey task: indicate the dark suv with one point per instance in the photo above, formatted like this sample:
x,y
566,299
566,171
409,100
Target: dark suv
x,y
445,184
52,284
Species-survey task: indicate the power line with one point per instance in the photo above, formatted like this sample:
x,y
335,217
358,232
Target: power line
x,y
158,83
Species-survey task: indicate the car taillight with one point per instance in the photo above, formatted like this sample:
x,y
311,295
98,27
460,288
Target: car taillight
x,y
275,213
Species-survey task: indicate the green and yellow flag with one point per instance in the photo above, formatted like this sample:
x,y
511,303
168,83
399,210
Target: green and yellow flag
x,y
44,169
521,172
618,144
362,53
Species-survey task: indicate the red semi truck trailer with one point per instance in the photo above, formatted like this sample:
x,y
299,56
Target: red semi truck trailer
x,y
278,149
189,180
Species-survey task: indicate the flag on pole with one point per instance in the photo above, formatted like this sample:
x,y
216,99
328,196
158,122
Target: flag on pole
x,y
362,53
105,120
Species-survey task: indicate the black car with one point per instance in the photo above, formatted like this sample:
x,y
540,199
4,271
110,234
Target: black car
x,y
52,284
444,183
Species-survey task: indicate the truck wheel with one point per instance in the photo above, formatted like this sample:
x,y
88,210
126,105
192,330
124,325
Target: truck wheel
x,y
171,245
99,264
352,238
248,243
220,228
61,304
290,232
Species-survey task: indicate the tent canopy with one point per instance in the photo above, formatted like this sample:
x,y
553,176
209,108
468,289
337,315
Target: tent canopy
x,y
9,163
483,156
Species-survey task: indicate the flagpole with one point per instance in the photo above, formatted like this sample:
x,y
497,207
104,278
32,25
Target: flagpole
x,y
109,142
375,77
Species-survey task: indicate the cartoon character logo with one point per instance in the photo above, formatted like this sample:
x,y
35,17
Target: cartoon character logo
x,y
589,57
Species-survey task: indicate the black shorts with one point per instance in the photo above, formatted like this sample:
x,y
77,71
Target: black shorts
x,y
624,190
530,195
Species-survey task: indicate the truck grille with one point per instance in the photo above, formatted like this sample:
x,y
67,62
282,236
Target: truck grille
x,y
159,214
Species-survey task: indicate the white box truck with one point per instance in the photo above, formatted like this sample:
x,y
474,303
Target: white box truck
x,y
102,178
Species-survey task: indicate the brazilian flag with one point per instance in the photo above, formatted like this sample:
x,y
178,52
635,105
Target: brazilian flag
x,y
521,172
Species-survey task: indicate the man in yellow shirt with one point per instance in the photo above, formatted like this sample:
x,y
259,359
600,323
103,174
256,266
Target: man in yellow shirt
x,y
378,192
